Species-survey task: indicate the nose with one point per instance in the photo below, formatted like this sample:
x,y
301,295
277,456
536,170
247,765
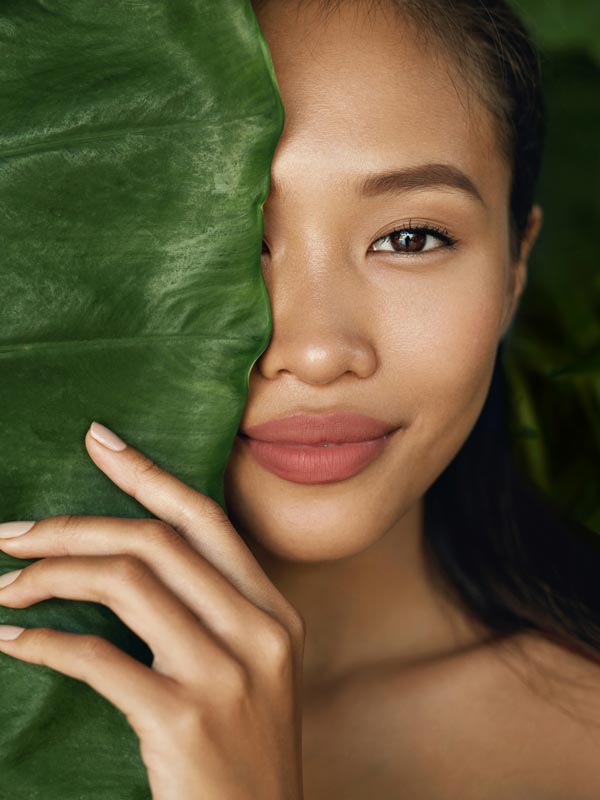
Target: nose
x,y
321,328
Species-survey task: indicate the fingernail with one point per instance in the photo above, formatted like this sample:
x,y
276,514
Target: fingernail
x,y
9,577
106,437
8,529
10,631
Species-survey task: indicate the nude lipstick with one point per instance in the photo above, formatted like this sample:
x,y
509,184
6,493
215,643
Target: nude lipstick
x,y
318,448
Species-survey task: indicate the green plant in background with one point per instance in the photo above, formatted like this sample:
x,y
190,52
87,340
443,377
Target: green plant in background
x,y
563,25
135,148
552,352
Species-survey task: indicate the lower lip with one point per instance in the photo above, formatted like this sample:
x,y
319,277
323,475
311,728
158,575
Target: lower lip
x,y
311,464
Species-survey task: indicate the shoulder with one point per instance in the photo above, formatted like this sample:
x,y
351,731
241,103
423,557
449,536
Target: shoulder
x,y
517,719
559,689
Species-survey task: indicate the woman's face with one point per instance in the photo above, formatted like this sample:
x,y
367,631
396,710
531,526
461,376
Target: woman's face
x,y
404,329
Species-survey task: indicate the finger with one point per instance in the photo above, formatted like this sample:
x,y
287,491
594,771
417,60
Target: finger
x,y
179,641
142,694
212,598
167,497
198,518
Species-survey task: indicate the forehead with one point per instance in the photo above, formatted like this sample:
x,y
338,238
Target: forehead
x,y
362,90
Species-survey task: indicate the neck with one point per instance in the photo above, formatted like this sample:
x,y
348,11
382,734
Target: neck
x,y
374,607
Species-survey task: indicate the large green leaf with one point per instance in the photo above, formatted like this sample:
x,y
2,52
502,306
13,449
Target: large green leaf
x,y
135,148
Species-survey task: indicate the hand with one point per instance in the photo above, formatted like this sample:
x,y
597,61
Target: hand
x,y
218,714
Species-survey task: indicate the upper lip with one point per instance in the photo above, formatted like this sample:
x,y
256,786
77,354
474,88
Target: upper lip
x,y
336,427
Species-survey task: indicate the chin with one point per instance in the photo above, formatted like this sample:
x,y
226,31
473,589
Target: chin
x,y
319,523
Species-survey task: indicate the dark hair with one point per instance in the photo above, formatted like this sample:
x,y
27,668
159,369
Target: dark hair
x,y
496,545
502,549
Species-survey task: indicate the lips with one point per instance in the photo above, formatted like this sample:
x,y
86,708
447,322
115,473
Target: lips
x,y
318,448
302,463
319,429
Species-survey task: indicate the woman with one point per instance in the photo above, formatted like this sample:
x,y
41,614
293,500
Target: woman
x,y
370,620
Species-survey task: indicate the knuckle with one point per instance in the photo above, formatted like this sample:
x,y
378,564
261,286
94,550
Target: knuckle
x,y
145,470
228,692
91,648
67,526
276,643
146,466
126,568
159,533
189,717
294,621
235,680
297,627
208,508
170,703
65,522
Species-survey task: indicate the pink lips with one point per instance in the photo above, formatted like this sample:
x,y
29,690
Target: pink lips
x,y
292,448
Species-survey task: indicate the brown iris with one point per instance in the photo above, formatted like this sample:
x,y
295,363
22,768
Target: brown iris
x,y
409,241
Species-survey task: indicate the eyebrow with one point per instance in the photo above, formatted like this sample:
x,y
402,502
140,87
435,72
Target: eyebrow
x,y
418,177
422,176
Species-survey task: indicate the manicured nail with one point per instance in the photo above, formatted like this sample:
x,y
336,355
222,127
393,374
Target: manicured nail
x,y
8,529
9,577
10,631
106,437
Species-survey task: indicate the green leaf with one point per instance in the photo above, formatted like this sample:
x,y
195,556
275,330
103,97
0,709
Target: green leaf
x,y
135,151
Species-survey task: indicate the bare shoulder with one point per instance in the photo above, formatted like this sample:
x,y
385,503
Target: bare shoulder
x,y
506,720
517,719
560,688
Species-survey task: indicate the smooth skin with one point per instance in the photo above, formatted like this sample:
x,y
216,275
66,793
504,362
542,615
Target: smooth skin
x,y
313,600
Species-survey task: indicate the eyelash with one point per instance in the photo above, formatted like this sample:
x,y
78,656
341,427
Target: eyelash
x,y
433,230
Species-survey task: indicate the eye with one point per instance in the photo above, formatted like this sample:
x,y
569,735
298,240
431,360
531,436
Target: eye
x,y
415,239
410,239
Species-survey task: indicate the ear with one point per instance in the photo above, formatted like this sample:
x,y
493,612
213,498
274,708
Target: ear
x,y
518,268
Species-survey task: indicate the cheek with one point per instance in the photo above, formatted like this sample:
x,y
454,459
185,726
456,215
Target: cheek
x,y
444,349
448,339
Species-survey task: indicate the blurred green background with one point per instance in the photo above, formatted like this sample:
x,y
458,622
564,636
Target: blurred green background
x,y
552,351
